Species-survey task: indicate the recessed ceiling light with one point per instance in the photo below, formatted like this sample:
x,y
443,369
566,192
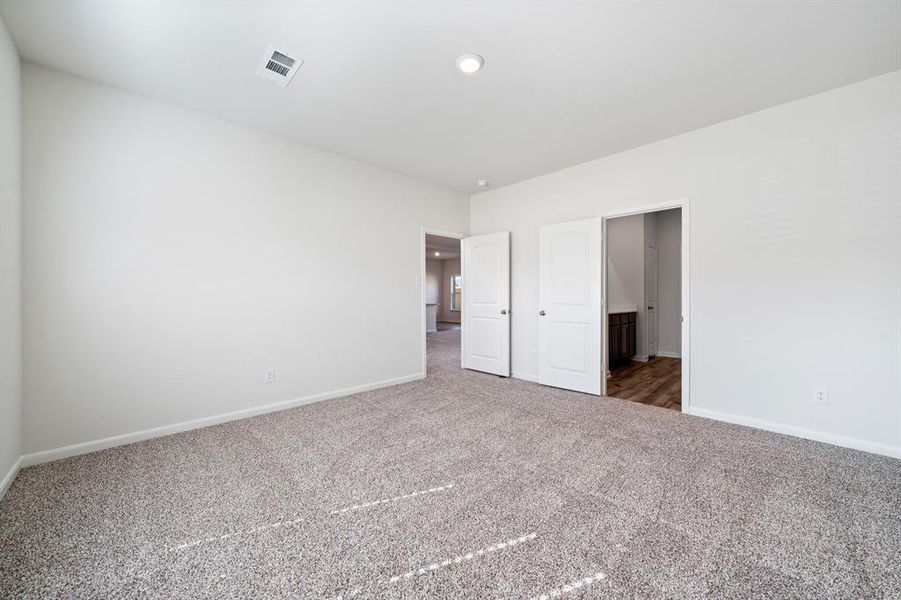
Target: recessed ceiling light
x,y
437,254
482,183
470,63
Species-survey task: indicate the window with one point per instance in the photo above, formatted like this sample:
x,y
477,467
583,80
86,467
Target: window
x,y
456,289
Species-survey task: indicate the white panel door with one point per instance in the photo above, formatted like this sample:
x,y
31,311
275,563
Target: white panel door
x,y
486,303
570,309
651,292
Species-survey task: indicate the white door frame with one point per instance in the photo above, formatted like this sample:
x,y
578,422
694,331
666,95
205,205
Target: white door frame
x,y
605,319
448,234
684,204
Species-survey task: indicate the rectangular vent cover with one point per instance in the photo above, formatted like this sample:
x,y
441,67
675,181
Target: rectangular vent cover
x,y
278,67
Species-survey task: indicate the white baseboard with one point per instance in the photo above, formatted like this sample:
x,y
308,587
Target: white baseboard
x,y
526,377
35,458
809,434
8,480
667,354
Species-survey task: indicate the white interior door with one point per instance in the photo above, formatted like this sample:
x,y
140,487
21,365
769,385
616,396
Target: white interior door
x,y
486,303
651,292
570,310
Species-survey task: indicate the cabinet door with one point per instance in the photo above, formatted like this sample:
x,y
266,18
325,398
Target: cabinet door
x,y
614,335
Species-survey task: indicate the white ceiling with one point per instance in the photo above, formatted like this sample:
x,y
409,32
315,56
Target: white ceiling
x,y
448,247
564,82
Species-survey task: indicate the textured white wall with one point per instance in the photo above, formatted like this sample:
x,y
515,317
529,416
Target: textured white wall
x,y
795,256
170,258
10,224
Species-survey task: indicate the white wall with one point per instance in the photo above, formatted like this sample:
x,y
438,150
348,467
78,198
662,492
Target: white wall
x,y
171,257
625,271
433,273
10,289
669,273
625,260
795,257
450,267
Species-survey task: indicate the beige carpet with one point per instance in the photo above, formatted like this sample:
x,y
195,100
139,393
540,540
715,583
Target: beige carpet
x,y
461,486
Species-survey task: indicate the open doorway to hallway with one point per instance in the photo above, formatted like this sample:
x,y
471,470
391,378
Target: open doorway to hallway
x,y
443,287
644,308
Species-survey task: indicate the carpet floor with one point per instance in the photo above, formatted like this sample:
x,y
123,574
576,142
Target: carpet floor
x,y
462,485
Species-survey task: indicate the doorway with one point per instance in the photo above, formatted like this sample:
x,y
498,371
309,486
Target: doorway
x,y
442,295
645,284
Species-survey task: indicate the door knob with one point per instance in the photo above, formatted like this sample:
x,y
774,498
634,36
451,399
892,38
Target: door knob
x,y
542,313
503,311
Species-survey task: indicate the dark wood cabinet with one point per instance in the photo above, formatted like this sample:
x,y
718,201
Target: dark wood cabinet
x,y
622,335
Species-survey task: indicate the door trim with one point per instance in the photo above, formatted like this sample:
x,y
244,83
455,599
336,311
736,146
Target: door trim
x,y
605,319
685,281
424,231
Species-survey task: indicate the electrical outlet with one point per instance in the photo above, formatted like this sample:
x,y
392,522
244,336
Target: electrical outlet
x,y
821,396
269,376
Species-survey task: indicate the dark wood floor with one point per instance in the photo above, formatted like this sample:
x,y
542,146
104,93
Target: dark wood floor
x,y
657,382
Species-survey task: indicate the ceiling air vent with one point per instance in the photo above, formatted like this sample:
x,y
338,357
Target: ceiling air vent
x,y
278,67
